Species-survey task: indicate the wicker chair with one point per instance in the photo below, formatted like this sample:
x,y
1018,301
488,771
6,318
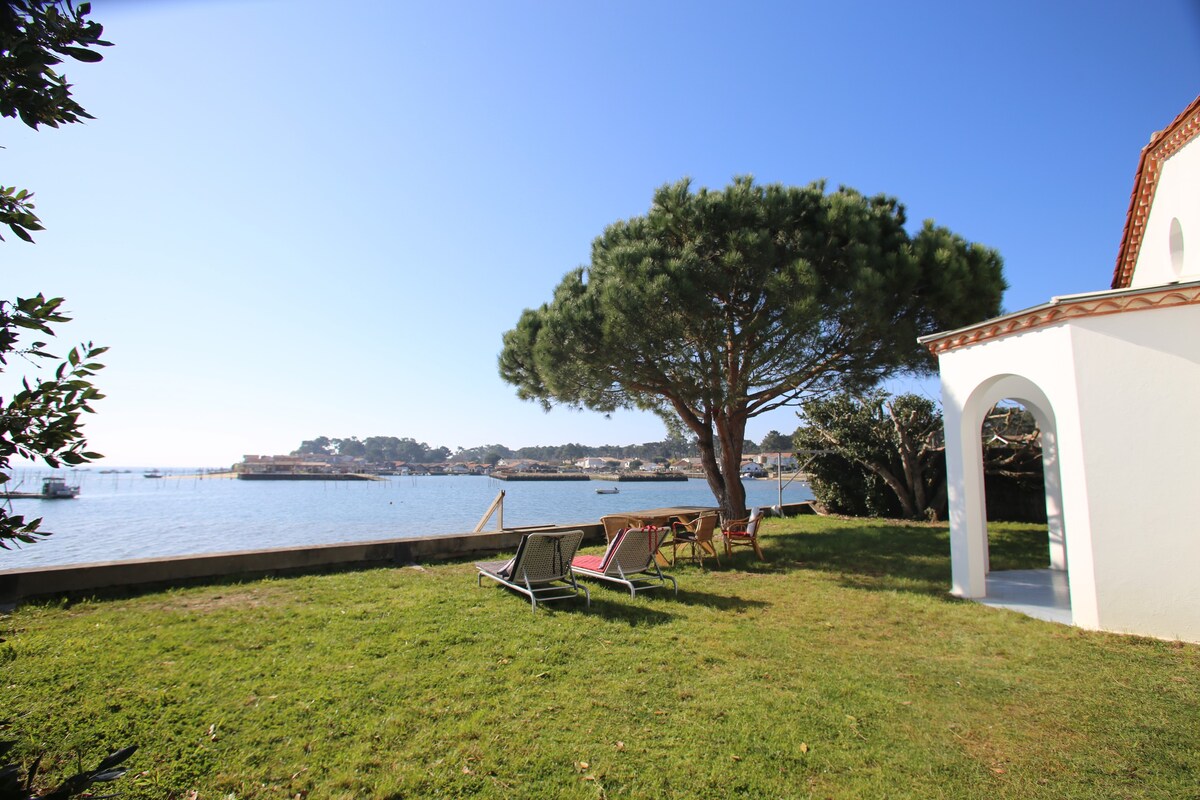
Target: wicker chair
x,y
742,533
617,522
696,534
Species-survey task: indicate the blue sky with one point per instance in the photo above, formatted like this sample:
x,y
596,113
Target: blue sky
x,y
300,219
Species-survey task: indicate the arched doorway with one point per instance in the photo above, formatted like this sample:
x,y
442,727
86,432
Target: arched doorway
x,y
1043,593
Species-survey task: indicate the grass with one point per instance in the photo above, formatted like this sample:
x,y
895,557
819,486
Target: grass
x,y
838,669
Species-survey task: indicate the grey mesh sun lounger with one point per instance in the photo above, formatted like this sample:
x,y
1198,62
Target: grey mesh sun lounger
x,y
541,569
629,561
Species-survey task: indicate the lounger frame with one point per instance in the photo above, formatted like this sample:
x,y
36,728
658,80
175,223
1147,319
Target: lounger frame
x,y
642,574
532,576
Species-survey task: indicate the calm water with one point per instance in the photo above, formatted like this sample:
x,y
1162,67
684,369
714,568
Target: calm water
x,y
126,516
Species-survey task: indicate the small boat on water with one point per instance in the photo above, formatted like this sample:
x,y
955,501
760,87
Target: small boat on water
x,y
52,489
152,474
613,490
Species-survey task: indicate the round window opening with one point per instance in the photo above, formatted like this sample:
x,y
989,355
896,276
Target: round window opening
x,y
1176,247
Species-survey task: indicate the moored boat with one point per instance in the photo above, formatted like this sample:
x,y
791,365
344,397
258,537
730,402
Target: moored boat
x,y
52,489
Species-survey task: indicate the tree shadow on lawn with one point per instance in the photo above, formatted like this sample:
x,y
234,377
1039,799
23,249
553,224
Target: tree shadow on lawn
x,y
612,601
721,602
892,557
612,608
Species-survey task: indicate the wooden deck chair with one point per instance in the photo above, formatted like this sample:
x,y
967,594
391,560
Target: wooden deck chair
x,y
629,561
541,569
743,533
696,534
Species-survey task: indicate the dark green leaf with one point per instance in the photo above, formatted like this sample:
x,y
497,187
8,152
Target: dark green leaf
x,y
80,54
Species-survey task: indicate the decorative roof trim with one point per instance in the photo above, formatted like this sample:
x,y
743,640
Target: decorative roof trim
x,y
1162,146
1064,309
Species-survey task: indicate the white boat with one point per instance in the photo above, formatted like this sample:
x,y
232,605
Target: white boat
x,y
613,490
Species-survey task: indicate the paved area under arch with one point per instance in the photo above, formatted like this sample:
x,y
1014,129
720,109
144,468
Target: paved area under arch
x,y
1040,593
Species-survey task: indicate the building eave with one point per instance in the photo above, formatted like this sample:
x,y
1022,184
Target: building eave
x,y
1065,308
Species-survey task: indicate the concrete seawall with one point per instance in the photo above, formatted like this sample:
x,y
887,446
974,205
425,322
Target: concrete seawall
x,y
16,585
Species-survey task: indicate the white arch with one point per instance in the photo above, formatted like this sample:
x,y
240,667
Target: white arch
x,y
964,462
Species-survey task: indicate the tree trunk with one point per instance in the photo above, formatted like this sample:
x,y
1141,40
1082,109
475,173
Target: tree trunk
x,y
731,432
910,463
896,485
712,471
725,482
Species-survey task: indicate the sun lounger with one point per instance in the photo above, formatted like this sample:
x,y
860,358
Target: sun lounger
x,y
541,569
629,561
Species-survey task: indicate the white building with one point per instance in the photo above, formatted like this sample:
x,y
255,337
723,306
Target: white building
x,y
781,460
1113,378
752,469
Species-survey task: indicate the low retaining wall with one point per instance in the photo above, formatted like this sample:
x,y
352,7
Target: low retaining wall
x,y
17,585
796,509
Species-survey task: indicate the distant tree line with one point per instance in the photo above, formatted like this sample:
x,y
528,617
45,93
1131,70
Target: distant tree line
x,y
667,449
380,449
374,449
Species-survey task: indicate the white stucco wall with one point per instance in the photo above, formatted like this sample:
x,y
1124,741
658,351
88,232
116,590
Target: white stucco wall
x,y
1117,394
1177,197
1138,380
1034,368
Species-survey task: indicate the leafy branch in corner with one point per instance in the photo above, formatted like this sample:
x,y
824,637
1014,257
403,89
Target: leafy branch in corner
x,y
42,419
35,36
12,787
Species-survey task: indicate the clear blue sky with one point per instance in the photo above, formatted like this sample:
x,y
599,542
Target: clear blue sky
x,y
293,219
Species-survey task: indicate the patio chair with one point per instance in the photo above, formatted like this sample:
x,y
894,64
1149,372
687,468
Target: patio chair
x,y
541,569
616,522
697,534
743,533
629,561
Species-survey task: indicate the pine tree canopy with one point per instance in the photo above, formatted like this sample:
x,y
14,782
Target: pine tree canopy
x,y
717,306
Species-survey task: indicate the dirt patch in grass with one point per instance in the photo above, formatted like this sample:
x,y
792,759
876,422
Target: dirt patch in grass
x,y
235,597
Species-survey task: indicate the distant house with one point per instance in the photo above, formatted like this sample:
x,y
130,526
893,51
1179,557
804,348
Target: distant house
x,y
752,469
593,463
782,460
1112,377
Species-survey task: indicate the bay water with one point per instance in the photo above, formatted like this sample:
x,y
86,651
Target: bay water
x,y
123,516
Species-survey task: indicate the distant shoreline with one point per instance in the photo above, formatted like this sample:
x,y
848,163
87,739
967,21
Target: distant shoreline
x,y
226,474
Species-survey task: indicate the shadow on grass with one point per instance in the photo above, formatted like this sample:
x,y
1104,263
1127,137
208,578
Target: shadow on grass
x,y
610,603
721,602
892,557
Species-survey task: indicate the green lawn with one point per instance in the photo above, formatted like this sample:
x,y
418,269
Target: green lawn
x,y
839,669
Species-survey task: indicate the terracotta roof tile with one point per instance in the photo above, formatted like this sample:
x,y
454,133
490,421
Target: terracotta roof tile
x,y
1163,144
